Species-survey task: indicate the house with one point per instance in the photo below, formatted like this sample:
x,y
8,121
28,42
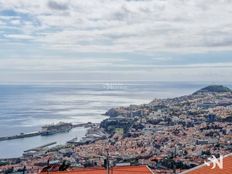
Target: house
x,y
204,169
100,170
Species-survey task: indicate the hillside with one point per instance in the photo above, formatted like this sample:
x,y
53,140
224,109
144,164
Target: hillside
x,y
214,89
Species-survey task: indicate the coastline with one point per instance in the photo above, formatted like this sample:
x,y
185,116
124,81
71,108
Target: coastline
x,y
13,149
38,133
13,146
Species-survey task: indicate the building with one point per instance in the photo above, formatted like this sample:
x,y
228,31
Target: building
x,y
204,169
100,170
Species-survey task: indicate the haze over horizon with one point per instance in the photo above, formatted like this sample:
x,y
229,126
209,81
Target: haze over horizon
x,y
70,40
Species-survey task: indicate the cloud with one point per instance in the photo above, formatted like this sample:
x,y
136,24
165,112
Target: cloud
x,y
156,74
119,26
57,5
18,36
50,64
153,37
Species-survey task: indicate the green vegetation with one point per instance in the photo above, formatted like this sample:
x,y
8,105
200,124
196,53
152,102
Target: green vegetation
x,y
112,126
214,88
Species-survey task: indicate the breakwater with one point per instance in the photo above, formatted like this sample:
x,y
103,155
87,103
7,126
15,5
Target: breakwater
x,y
22,135
33,134
40,147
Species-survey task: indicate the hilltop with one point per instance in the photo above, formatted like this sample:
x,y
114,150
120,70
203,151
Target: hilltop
x,y
220,96
213,89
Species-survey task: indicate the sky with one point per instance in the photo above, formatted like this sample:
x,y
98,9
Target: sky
x,y
115,40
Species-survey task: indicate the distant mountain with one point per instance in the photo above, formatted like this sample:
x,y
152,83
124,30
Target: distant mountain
x,y
213,88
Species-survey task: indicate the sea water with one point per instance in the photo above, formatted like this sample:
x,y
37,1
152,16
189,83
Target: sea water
x,y
25,108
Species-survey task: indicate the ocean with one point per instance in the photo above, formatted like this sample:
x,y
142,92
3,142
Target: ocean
x,y
25,108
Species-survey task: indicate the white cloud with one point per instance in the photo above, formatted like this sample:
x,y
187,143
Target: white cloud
x,y
105,65
39,64
122,25
18,36
113,27
210,74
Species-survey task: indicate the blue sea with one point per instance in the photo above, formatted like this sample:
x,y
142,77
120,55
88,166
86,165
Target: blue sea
x,y
25,108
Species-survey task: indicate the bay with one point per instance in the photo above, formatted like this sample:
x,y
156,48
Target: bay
x,y
25,108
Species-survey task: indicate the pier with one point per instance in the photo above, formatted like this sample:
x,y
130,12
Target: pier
x,y
22,135
33,134
40,147
89,124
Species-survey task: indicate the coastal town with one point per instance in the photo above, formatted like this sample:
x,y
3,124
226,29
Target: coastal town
x,y
168,135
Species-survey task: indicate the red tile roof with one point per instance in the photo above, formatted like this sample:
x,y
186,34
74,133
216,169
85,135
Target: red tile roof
x,y
203,169
114,170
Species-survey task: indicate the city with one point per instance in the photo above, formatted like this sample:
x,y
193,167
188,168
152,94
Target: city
x,y
165,134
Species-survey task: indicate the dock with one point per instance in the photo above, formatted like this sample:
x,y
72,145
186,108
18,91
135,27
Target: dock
x,y
82,125
40,147
22,135
33,134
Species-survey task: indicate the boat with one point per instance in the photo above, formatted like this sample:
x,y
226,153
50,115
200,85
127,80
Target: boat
x,y
56,128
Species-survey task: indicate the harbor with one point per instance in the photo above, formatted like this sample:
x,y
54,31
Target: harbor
x,y
93,134
15,148
47,130
79,134
65,107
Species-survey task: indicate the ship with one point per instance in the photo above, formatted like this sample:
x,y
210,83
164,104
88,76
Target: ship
x,y
56,128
